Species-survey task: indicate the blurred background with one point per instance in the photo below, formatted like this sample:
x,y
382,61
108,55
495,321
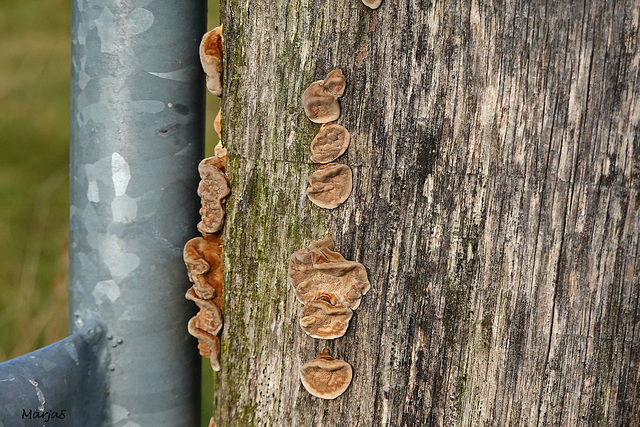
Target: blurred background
x,y
35,65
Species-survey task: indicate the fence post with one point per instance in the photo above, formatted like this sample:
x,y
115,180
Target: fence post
x,y
137,137
137,134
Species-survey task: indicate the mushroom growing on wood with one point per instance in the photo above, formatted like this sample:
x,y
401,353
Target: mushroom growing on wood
x,y
203,258
335,83
320,99
213,191
330,185
211,50
325,318
208,344
318,271
209,316
326,377
373,4
217,125
330,143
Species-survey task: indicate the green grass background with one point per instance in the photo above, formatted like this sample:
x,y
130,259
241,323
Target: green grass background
x,y
35,64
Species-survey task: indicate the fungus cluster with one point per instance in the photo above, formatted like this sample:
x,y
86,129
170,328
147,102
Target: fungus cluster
x,y
203,255
330,185
204,259
211,53
329,286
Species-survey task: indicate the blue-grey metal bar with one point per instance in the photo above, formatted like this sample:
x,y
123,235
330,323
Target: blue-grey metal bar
x,y
137,137
60,385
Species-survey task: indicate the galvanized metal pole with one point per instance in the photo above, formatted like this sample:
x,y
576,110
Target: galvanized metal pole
x,y
137,137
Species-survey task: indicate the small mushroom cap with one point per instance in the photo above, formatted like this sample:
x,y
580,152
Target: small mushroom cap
x,y
211,169
213,191
330,185
330,143
212,217
211,50
209,316
335,83
323,320
320,105
203,258
326,377
217,126
208,345
220,152
214,84
318,270
373,4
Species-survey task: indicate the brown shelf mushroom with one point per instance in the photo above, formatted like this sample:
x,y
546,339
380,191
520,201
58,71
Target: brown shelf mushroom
x,y
203,258
325,318
208,344
217,125
210,316
213,191
330,143
326,377
330,185
335,83
373,4
318,271
211,50
320,99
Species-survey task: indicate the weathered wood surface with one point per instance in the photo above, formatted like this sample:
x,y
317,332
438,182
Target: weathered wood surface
x,y
496,207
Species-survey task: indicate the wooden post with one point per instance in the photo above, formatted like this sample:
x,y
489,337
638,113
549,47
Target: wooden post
x,y
496,170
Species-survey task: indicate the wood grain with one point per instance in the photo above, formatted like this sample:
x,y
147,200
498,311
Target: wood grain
x,y
496,200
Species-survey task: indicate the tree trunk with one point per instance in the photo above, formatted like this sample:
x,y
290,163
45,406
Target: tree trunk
x,y
496,172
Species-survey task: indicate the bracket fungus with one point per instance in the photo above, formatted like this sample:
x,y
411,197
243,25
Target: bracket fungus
x,y
325,318
373,4
211,50
203,255
208,345
209,316
217,125
330,185
326,377
213,191
203,258
318,271
330,143
320,99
